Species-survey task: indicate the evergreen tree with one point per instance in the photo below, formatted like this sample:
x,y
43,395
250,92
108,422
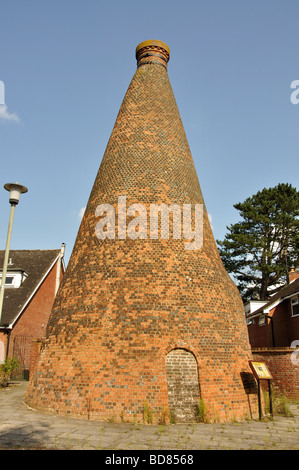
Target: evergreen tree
x,y
259,250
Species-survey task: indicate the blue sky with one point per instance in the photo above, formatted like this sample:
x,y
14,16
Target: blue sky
x,y
67,64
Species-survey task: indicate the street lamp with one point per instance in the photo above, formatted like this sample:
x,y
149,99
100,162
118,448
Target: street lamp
x,y
15,191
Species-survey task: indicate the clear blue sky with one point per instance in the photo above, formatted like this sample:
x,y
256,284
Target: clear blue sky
x,y
66,66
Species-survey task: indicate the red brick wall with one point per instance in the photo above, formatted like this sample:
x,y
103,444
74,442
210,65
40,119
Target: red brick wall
x,y
3,344
260,335
36,346
284,371
286,328
33,321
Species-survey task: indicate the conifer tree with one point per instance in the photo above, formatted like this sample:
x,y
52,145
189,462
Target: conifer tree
x,y
260,249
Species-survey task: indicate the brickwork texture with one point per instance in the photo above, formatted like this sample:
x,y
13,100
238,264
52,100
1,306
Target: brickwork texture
x,y
31,324
284,368
285,328
126,305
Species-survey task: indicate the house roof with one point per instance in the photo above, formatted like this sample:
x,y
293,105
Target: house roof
x,y
36,264
284,292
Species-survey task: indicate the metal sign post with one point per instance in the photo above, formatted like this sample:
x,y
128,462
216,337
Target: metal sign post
x,y
261,372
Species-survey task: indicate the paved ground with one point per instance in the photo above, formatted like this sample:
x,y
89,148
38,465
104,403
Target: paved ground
x,y
24,428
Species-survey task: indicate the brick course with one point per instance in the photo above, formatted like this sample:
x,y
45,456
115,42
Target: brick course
x,y
285,328
32,323
124,304
284,370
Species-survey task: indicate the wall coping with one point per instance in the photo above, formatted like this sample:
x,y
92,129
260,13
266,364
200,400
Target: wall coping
x,y
272,350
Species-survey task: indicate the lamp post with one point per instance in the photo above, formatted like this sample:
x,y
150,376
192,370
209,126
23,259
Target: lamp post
x,y
15,191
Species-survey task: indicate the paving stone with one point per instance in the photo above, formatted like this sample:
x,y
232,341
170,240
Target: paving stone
x,y
22,428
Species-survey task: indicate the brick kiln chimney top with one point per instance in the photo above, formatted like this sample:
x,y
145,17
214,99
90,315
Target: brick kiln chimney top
x,y
152,52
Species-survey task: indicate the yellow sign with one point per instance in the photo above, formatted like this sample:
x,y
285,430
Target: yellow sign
x,y
260,370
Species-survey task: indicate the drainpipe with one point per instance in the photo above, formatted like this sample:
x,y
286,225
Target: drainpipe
x,y
272,328
271,323
8,332
58,274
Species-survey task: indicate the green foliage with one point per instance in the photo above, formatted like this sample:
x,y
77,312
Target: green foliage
x,y
148,415
201,411
280,405
172,417
260,249
165,416
6,370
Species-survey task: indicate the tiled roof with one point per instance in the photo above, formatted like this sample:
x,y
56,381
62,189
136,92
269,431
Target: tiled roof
x,y
35,263
284,292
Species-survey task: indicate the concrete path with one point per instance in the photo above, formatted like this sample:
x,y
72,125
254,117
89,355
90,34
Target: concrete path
x,y
24,428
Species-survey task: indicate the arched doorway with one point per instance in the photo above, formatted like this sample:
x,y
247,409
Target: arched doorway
x,y
182,385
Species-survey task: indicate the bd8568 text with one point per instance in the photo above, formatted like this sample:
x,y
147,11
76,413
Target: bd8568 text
x,y
171,459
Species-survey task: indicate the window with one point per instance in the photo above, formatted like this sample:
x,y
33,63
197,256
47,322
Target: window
x,y
14,279
9,280
295,306
262,320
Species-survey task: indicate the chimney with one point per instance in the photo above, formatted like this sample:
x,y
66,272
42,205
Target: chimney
x,y
142,320
152,52
293,275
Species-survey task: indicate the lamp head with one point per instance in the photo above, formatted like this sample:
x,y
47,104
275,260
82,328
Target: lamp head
x,y
15,191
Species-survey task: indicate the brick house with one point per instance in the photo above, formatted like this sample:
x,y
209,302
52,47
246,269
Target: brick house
x,y
273,328
275,322
32,280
